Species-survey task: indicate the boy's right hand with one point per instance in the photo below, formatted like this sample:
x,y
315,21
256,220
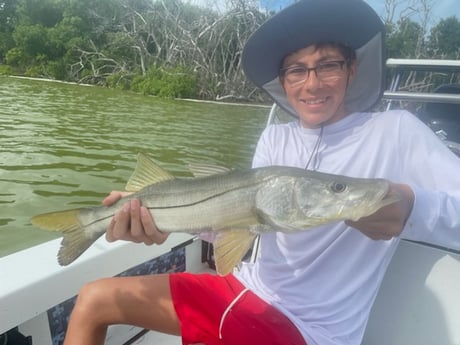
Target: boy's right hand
x,y
132,223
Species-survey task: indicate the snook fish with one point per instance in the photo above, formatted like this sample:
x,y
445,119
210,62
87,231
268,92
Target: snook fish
x,y
236,205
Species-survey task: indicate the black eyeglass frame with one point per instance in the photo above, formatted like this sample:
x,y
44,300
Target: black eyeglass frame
x,y
282,71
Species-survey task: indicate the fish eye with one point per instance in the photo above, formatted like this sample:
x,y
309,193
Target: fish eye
x,y
338,187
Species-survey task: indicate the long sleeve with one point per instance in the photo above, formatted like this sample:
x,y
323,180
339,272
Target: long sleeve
x,y
433,172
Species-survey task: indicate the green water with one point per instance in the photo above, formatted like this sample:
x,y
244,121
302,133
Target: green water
x,y
65,146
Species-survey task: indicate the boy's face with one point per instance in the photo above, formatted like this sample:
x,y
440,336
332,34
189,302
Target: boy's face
x,y
318,98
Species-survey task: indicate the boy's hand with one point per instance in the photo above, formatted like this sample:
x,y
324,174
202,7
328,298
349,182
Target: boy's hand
x,y
132,223
389,221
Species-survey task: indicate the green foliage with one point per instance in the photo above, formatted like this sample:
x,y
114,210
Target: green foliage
x,y
120,46
118,81
402,39
34,72
43,12
63,36
6,43
444,40
31,40
15,57
167,82
56,69
6,70
7,15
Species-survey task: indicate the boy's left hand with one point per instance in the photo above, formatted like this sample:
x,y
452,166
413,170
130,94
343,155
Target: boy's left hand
x,y
389,221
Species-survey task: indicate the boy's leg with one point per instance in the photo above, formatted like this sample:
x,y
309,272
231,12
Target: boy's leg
x,y
219,310
143,301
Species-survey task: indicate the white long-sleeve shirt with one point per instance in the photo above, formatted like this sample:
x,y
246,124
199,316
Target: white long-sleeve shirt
x,y
326,279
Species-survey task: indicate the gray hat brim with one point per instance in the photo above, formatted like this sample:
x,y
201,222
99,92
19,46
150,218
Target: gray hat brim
x,y
350,22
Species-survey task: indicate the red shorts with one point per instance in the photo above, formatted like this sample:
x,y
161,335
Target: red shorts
x,y
219,310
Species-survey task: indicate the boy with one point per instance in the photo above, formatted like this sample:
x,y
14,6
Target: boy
x,y
322,61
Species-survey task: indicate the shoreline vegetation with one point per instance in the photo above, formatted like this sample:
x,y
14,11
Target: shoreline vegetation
x,y
172,48
258,105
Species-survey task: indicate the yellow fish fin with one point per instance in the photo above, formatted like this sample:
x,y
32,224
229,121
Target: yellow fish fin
x,y
58,221
75,240
230,247
204,170
147,172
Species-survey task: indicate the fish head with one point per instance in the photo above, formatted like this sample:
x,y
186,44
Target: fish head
x,y
323,198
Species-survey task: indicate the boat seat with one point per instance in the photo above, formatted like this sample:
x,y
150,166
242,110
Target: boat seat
x,y
419,300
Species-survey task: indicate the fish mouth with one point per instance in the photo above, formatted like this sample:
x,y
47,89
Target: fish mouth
x,y
390,198
381,198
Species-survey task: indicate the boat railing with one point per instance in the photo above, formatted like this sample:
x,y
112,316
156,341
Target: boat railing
x,y
433,84
421,97
404,70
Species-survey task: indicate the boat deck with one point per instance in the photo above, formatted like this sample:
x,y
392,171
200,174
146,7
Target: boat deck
x,y
136,336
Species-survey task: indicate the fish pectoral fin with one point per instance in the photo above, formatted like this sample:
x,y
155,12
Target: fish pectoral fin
x,y
147,172
230,246
74,241
204,170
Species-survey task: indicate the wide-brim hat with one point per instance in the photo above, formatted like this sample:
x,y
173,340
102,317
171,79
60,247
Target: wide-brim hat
x,y
350,22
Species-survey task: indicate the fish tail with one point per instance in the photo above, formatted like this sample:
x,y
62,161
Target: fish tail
x,y
75,239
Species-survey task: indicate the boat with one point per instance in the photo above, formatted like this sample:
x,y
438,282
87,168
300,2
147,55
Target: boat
x,y
418,302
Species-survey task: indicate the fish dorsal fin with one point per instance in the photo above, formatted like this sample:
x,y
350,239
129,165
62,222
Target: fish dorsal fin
x,y
230,247
147,172
204,170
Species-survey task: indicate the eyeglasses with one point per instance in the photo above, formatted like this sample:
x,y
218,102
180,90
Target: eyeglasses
x,y
325,71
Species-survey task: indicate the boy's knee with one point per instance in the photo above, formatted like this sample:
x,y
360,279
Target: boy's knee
x,y
91,298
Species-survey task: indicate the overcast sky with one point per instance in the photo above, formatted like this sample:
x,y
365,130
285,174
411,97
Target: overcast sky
x,y
441,8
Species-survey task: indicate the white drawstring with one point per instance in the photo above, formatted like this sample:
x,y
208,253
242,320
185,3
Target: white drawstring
x,y
224,315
